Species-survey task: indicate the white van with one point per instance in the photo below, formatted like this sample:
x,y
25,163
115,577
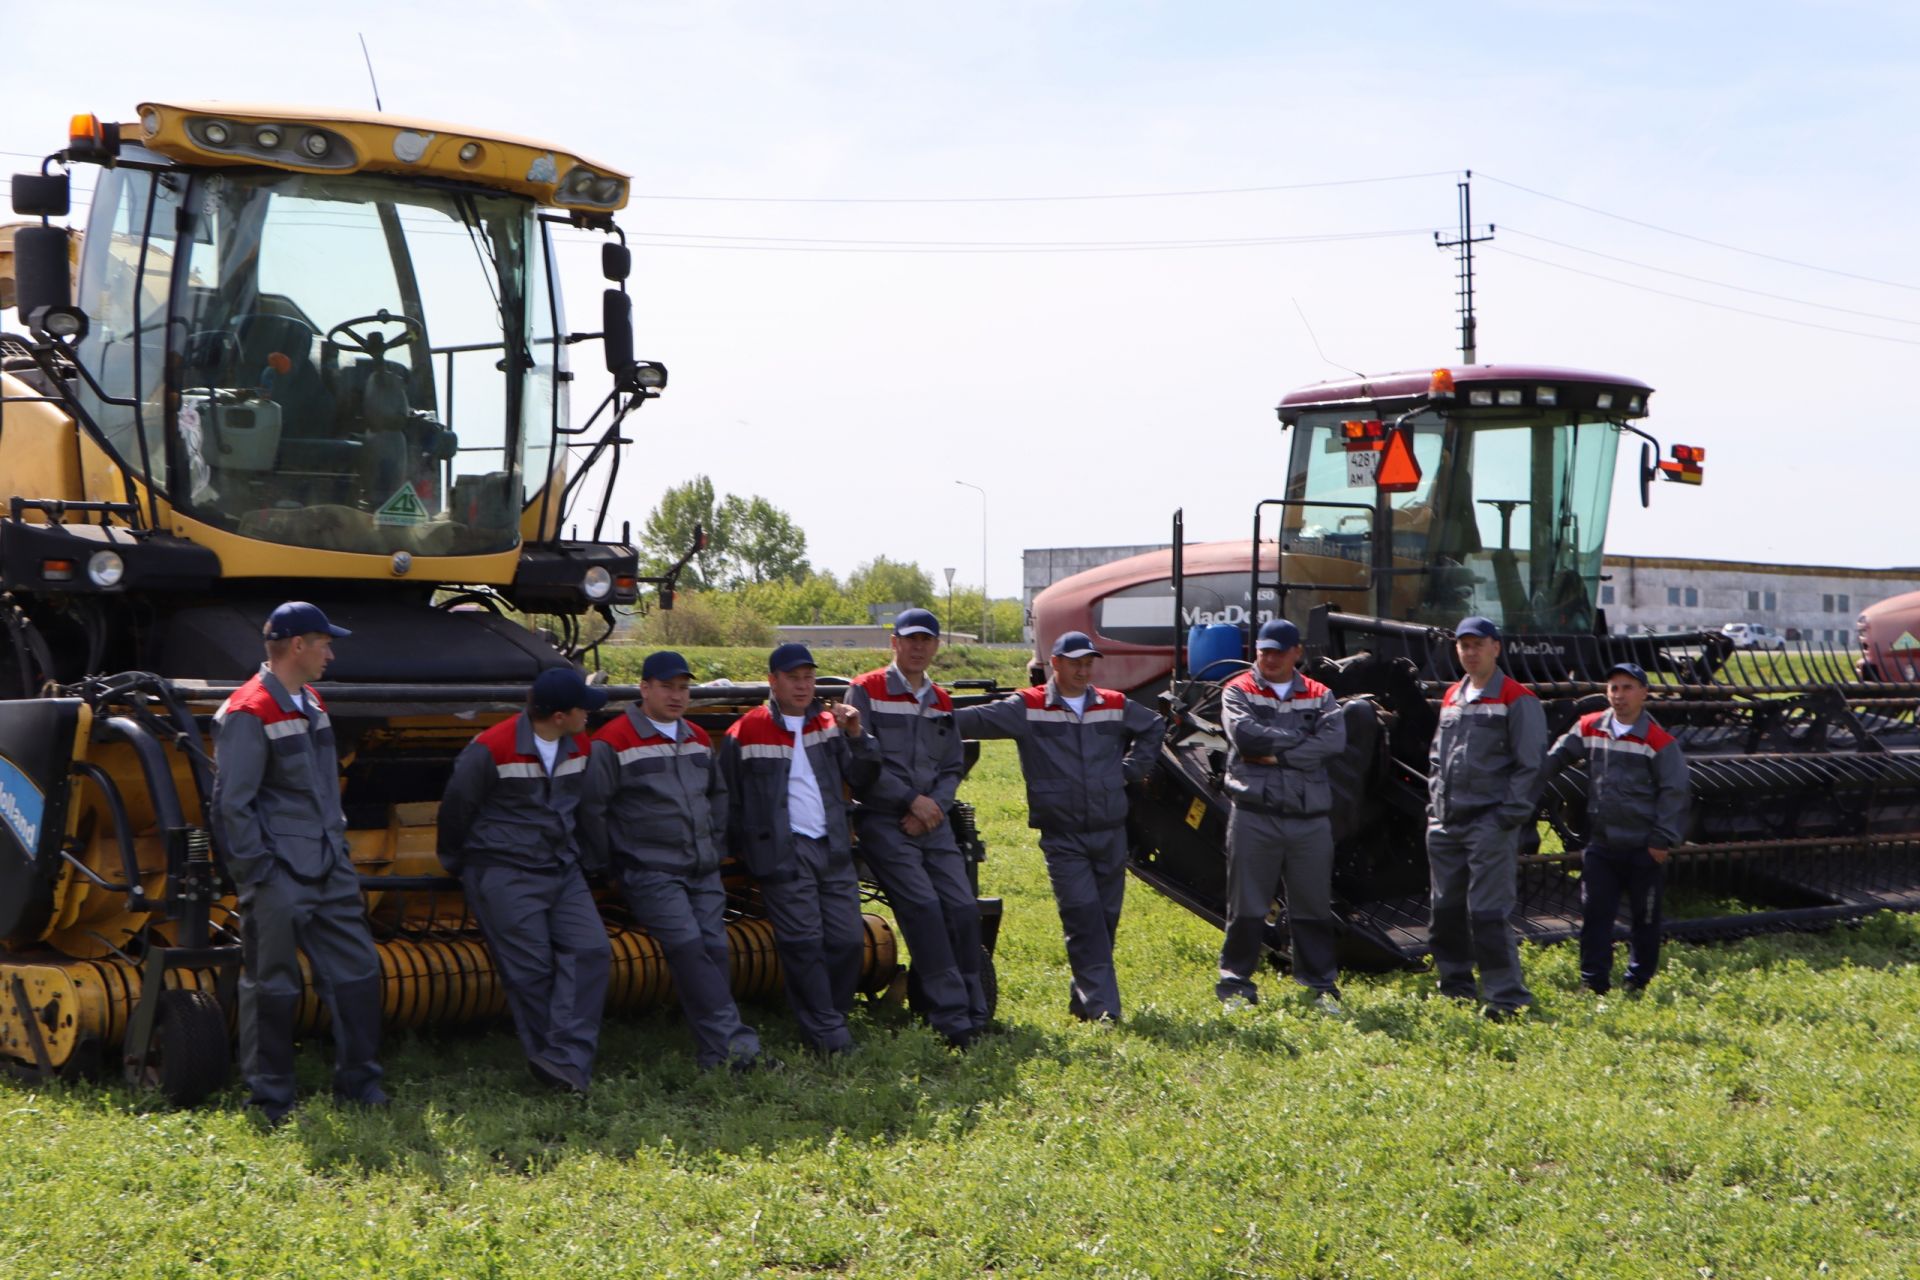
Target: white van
x,y
1753,635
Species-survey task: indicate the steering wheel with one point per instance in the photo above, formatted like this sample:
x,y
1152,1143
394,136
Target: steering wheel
x,y
349,338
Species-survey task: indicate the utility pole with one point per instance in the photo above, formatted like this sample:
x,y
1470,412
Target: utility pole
x,y
1469,337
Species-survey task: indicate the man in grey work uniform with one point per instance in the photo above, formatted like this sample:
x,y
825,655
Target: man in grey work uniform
x,y
655,813
276,804
1080,749
507,830
1484,775
904,833
788,763
1637,793
1281,729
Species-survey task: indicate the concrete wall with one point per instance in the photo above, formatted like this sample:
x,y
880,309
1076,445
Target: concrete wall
x,y
1819,602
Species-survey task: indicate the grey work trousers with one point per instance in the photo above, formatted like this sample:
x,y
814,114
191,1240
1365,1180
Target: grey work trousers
x,y
1266,851
327,919
820,937
685,914
1089,874
935,907
551,952
1474,866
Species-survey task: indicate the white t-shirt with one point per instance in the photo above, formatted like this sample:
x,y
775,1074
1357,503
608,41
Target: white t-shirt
x,y
805,809
549,751
299,700
671,732
1615,728
1470,694
1078,702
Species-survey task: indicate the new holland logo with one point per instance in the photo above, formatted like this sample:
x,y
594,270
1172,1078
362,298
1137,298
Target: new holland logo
x,y
21,806
403,508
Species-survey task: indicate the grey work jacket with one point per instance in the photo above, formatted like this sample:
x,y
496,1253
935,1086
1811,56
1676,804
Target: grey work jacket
x,y
502,808
1299,727
1488,756
1077,766
659,802
276,788
756,758
920,751
1637,789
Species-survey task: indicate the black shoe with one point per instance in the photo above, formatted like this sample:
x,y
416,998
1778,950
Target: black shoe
x,y
958,1043
759,1063
1503,1013
1634,990
547,1076
1592,990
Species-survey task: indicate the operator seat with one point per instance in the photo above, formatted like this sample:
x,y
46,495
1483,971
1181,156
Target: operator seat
x,y
307,439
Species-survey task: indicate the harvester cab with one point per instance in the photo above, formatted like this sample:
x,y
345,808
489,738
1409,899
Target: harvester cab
x,y
1414,500
309,354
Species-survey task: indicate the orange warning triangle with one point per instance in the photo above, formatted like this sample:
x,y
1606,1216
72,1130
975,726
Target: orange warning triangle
x,y
1399,471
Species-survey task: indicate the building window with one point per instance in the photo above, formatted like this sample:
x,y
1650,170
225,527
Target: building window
x,y
1826,603
1773,602
1693,597
1844,607
1673,595
1753,602
1606,593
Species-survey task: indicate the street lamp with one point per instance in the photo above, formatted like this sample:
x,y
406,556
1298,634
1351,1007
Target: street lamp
x,y
986,615
950,573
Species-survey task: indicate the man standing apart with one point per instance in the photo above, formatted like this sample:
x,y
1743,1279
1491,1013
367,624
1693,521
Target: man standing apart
x,y
1080,748
1483,780
656,810
507,830
276,803
904,833
1281,730
788,764
1636,813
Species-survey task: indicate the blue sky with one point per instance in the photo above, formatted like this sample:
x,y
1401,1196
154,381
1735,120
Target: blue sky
x,y
1091,392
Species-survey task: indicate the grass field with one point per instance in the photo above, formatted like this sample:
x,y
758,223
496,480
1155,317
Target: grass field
x,y
1754,1116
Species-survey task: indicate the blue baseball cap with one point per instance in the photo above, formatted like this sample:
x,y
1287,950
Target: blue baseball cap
x,y
1477,626
298,618
1075,644
664,665
1633,669
1277,633
564,689
916,622
789,656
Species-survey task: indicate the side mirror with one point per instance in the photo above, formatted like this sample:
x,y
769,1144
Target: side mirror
x,y
41,269
1647,471
616,261
616,331
42,195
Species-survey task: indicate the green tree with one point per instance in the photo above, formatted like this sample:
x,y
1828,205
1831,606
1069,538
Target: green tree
x,y
884,581
668,533
763,543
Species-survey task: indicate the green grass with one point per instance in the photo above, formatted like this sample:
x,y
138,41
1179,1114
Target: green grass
x,y
1754,1116
1007,667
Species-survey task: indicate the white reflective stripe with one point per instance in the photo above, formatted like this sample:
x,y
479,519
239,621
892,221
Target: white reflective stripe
x,y
907,708
820,735
1095,717
521,771
1067,717
1483,709
641,753
287,728
766,751
694,748
1055,717
1627,745
574,765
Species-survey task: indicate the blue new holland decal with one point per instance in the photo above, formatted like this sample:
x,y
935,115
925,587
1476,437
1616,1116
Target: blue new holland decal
x,y
21,806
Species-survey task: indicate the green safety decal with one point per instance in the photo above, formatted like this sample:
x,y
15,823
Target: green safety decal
x,y
403,508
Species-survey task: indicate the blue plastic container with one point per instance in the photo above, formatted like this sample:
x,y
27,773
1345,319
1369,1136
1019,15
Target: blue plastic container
x,y
1214,650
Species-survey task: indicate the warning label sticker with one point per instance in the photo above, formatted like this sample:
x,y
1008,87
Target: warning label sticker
x,y
403,508
1906,641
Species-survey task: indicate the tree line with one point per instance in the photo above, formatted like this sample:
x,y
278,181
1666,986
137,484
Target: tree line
x,y
754,576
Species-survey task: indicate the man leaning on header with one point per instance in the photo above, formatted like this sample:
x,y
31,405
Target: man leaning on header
x,y
507,830
276,804
788,765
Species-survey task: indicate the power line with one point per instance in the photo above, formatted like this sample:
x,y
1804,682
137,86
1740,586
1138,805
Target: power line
x,y
1703,302
1717,244
813,244
1121,195
1718,284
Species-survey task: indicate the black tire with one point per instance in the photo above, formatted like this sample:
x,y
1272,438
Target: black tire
x,y
190,1057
